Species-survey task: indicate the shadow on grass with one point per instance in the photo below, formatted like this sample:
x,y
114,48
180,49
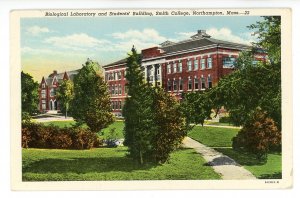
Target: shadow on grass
x,y
243,158
277,175
85,165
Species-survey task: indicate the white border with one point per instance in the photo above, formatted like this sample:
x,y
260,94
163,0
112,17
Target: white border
x,y
6,6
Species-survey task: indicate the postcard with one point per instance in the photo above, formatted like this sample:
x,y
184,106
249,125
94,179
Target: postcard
x,y
143,99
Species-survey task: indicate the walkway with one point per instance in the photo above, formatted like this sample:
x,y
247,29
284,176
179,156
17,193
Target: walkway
x,y
222,164
51,117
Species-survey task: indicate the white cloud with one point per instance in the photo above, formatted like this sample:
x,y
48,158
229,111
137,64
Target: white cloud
x,y
80,41
149,35
228,35
36,30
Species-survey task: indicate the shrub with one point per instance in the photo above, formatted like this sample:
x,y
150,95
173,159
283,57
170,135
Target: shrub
x,y
259,135
225,120
40,136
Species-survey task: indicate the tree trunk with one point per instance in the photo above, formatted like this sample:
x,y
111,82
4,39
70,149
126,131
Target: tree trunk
x,y
141,158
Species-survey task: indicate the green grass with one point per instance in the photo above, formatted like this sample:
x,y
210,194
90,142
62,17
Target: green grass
x,y
118,125
262,169
207,122
222,137
60,124
213,136
110,164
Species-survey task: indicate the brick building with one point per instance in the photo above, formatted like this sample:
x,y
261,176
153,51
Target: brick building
x,y
48,88
194,64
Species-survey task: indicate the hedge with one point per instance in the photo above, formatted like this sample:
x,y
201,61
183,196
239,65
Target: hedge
x,y
39,136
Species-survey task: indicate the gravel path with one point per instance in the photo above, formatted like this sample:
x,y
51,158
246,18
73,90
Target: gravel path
x,y
221,163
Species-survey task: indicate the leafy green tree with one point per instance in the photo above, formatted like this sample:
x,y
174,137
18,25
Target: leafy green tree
x,y
197,106
65,95
91,103
254,85
170,125
137,111
269,37
29,95
259,135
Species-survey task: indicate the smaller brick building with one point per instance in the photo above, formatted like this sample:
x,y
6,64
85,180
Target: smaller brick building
x,y
48,88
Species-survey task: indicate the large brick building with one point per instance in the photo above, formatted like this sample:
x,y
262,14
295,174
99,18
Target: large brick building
x,y
194,64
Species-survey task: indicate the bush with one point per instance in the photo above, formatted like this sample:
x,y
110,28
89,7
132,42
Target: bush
x,y
259,135
225,120
40,136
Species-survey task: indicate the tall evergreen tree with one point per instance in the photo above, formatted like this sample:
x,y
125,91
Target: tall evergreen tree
x,y
65,95
137,111
91,103
29,95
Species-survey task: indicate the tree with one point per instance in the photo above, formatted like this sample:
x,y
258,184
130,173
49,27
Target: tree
x,y
137,111
254,84
29,95
269,37
65,95
170,125
197,106
259,135
154,124
91,103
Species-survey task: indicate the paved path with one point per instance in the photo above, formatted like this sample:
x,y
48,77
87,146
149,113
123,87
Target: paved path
x,y
221,163
51,117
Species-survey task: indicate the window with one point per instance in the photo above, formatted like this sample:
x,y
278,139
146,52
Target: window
x,y
228,62
116,89
202,63
180,84
169,85
202,82
52,92
180,67
43,106
119,75
175,85
196,64
126,89
113,90
169,68
196,83
125,73
120,106
43,85
175,67
190,84
120,89
209,81
209,63
43,93
189,63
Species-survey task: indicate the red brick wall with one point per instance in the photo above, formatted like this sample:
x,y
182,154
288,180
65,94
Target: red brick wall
x,y
117,98
151,52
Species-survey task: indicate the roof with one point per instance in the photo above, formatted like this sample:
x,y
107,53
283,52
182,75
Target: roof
x,y
60,76
202,42
122,61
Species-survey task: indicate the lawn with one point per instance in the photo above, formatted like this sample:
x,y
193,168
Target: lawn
x,y
118,125
262,169
222,137
213,136
110,164
60,124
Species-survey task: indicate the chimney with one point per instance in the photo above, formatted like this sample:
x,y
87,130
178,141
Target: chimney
x,y
201,31
55,72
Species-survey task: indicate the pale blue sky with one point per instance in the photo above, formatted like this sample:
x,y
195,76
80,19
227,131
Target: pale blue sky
x,y
65,43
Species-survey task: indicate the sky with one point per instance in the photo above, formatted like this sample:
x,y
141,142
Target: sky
x,y
64,44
